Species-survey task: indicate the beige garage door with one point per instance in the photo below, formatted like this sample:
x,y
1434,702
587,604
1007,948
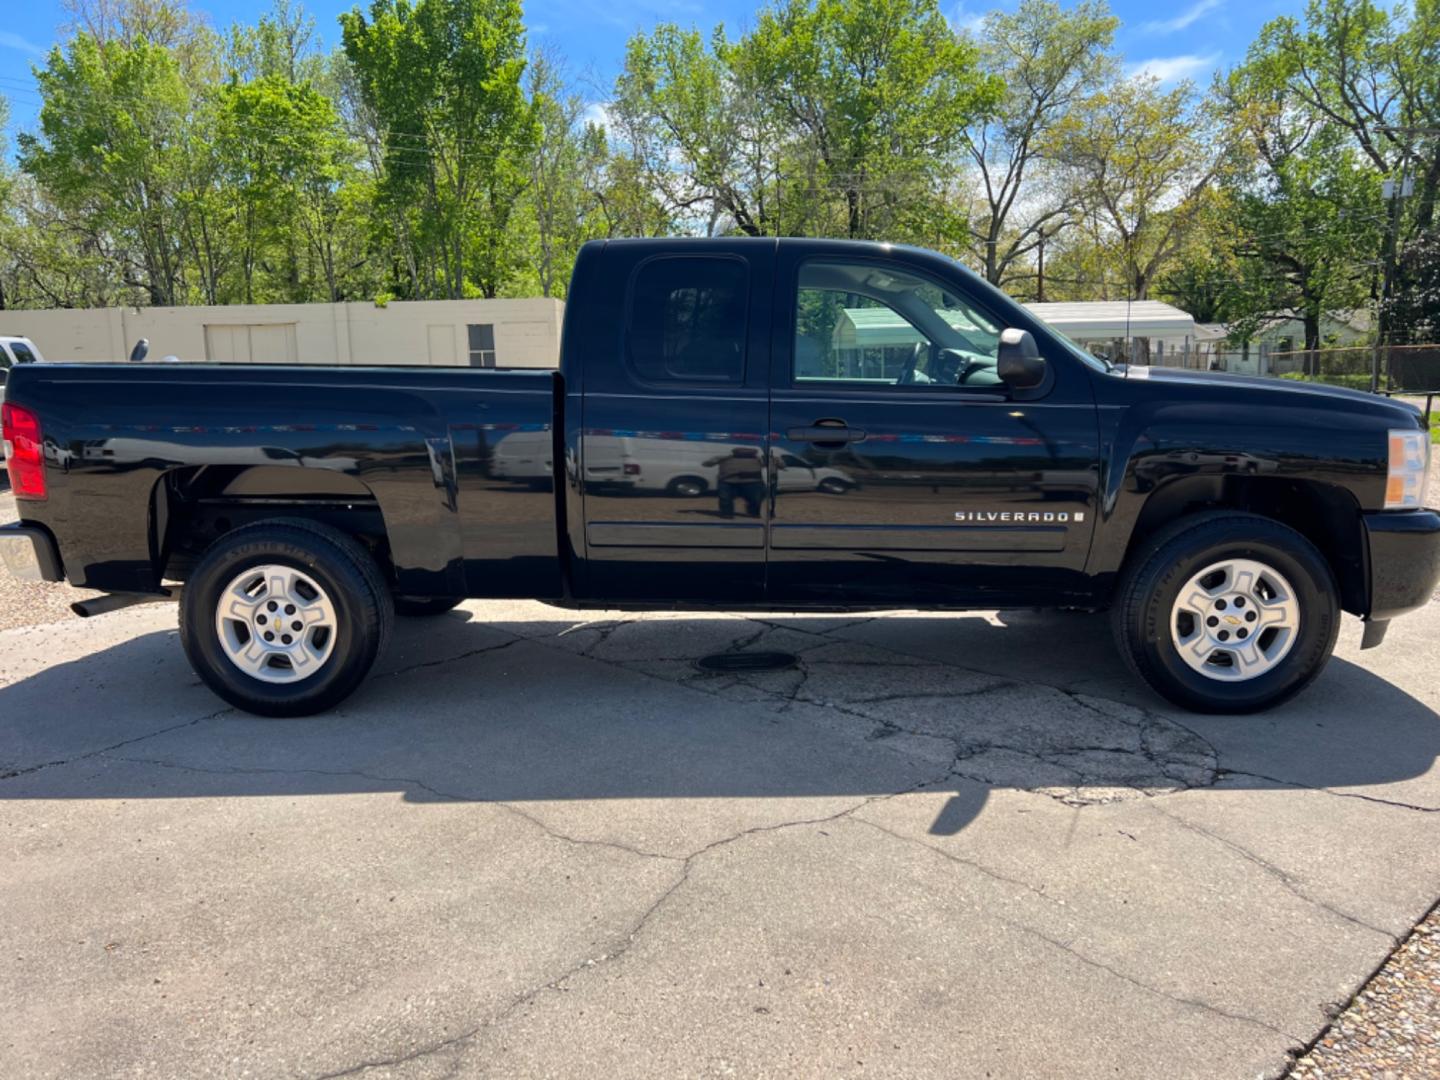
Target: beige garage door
x,y
256,343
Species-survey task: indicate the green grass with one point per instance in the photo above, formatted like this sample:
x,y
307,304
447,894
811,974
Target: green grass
x,y
1350,382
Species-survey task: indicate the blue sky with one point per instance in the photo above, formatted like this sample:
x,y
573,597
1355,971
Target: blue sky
x,y
1188,39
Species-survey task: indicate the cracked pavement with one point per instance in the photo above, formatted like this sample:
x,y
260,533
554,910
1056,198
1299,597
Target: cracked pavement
x,y
543,843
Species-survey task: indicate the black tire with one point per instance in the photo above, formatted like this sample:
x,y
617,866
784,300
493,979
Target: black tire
x,y
413,606
338,564
1151,584
687,487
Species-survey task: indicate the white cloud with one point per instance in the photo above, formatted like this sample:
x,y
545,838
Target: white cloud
x,y
1171,69
1187,18
961,17
596,113
15,41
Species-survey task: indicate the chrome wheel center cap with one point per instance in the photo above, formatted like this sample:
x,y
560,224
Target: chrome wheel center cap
x,y
276,624
1235,620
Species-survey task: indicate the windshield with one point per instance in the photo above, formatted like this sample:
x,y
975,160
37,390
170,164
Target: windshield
x,y
1099,363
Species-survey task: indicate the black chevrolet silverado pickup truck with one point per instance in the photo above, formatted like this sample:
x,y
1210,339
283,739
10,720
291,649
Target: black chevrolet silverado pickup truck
x,y
746,424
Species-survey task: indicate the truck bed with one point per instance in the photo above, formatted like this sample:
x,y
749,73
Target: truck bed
x,y
421,451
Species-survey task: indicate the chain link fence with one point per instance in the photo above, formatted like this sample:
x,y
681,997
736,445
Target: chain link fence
x,y
1404,369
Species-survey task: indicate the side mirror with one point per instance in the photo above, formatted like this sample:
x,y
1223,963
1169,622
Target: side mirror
x,y
140,351
4,375
1019,363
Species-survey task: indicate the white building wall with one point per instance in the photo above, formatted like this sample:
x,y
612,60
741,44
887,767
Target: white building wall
x,y
527,332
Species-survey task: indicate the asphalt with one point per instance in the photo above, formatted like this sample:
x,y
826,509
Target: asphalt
x,y
542,845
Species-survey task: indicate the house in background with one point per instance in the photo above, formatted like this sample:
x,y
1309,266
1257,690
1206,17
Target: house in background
x,y
1105,328
1110,328
1278,345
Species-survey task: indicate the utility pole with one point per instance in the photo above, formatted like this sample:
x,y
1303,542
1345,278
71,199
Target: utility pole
x,y
1040,270
1394,190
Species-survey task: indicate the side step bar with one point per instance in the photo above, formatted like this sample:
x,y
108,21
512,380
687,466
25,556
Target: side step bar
x,y
100,605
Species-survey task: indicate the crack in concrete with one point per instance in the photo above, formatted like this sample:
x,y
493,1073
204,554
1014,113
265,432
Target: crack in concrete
x,y
1168,778
625,942
404,782
1286,879
451,659
1396,803
105,750
995,875
1194,1003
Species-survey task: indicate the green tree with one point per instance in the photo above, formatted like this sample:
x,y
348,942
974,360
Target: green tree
x,y
1306,201
1414,311
453,131
283,157
565,174
828,118
879,95
1049,60
1141,165
677,107
1374,74
110,153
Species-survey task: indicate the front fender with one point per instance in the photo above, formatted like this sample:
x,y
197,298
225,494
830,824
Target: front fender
x,y
1160,457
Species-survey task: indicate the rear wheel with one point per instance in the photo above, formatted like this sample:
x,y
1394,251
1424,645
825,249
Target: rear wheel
x,y
1227,612
425,605
284,618
687,487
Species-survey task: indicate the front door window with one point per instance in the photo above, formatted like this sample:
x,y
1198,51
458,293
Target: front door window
x,y
865,325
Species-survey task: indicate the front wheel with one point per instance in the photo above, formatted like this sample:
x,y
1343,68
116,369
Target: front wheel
x,y
285,617
1227,612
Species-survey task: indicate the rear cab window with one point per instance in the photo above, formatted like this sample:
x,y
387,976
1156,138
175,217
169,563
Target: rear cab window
x,y
688,320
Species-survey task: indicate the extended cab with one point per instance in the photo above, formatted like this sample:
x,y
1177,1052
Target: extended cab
x,y
763,424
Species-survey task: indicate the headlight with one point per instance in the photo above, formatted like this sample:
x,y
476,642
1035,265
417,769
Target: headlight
x,y
1409,464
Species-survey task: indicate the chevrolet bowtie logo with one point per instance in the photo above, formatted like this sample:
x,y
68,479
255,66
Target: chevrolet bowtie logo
x,y
1232,620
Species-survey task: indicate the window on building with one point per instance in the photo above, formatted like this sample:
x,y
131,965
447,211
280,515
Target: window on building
x,y
688,320
482,344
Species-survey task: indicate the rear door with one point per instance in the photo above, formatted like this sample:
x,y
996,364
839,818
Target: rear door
x,y
939,487
672,441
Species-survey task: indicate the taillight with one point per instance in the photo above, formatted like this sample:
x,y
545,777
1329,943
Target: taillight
x,y
24,453
632,468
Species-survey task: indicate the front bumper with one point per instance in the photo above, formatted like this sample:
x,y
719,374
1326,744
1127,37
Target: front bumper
x,y
29,553
1404,557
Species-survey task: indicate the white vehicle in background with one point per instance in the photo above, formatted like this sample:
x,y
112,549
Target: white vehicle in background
x,y
13,351
680,468
687,469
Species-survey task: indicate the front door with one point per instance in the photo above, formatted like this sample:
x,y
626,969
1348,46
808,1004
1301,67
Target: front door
x,y
907,473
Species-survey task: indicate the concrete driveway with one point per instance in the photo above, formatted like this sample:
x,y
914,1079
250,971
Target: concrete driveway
x,y
537,844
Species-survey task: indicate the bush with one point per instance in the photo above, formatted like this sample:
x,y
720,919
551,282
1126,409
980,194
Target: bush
x,y
1349,381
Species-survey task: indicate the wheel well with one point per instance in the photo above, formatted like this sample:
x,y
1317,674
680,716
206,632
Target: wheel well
x,y
194,506
1324,514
